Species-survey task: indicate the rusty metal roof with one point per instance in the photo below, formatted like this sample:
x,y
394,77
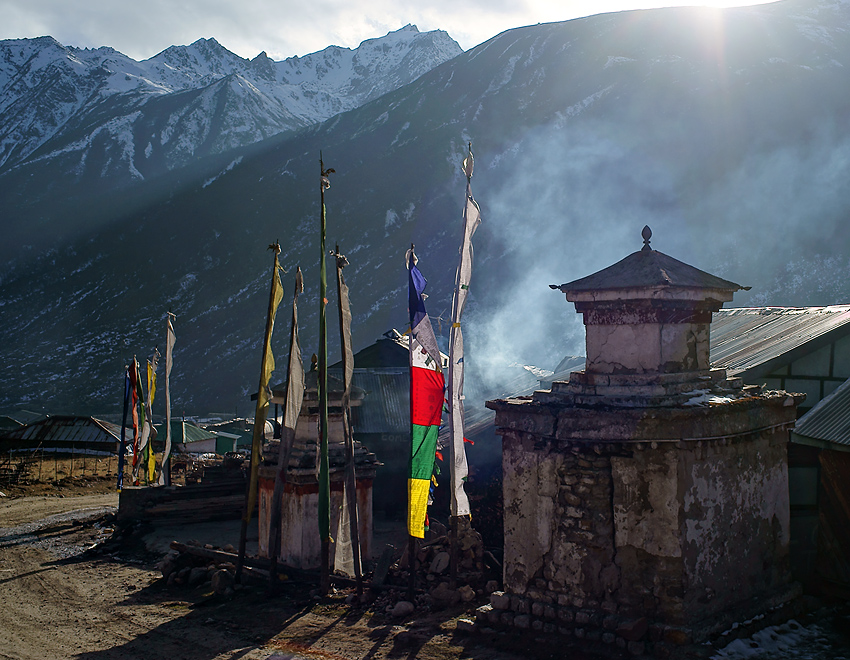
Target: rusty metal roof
x,y
754,341
828,422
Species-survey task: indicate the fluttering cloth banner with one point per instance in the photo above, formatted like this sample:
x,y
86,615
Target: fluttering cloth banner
x,y
459,467
427,394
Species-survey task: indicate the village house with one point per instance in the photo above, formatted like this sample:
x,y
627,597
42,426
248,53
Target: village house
x,y
803,349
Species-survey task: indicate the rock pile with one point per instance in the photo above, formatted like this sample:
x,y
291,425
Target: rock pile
x,y
432,567
186,569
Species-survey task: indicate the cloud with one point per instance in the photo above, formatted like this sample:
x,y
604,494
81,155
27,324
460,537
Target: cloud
x,y
282,29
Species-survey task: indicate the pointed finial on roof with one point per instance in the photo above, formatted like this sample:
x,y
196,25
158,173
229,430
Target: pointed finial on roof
x,y
647,234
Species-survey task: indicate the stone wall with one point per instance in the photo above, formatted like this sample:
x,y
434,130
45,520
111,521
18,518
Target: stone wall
x,y
685,533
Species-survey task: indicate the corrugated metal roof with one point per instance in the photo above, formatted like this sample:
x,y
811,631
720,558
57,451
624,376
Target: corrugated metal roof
x,y
68,430
26,417
757,340
184,432
385,408
828,421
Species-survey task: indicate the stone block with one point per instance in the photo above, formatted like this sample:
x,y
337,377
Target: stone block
x,y
221,581
484,613
677,636
500,600
466,626
565,615
402,609
522,621
571,499
440,563
549,612
636,648
608,638
537,624
610,622
633,629
506,619
197,575
537,609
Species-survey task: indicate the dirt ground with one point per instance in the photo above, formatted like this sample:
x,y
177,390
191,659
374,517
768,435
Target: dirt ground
x,y
68,590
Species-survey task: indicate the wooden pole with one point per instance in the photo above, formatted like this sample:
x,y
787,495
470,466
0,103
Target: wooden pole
x,y
294,393
350,488
411,567
260,414
453,553
324,469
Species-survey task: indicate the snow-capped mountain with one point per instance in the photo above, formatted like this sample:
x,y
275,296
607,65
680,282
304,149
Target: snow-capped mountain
x,y
103,111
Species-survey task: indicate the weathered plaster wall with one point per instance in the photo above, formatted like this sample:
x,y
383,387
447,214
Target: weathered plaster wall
x,y
647,516
647,348
529,496
681,531
736,521
300,543
559,529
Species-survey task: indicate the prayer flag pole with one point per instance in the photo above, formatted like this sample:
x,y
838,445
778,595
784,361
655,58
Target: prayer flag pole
x,y
324,470
347,373
459,469
291,410
263,396
427,393
123,446
165,473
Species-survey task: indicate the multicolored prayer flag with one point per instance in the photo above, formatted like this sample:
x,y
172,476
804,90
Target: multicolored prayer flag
x,y
427,387
134,410
123,447
150,431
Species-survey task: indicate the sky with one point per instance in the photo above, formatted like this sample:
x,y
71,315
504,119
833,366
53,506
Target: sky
x,y
283,28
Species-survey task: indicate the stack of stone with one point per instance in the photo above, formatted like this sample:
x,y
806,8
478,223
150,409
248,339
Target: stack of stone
x,y
540,612
189,570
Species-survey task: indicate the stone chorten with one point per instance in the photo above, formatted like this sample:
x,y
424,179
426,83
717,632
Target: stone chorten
x,y
646,500
300,545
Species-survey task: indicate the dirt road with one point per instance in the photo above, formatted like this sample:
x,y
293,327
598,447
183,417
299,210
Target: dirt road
x,y
58,601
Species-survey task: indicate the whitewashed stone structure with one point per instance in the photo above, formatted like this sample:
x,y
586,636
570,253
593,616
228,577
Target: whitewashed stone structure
x,y
646,500
300,545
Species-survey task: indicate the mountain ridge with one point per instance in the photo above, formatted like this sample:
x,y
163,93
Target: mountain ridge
x,y
736,151
291,94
